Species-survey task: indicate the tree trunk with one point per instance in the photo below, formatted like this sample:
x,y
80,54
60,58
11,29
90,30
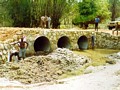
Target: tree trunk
x,y
113,8
55,23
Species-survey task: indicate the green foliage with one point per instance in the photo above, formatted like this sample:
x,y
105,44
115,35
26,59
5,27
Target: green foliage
x,y
27,13
5,19
37,9
20,12
70,13
114,7
103,9
89,9
76,20
57,11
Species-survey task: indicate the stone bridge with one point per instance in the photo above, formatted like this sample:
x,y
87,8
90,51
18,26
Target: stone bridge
x,y
47,40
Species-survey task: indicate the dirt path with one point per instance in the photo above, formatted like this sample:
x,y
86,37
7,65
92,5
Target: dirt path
x,y
104,79
8,33
106,31
109,31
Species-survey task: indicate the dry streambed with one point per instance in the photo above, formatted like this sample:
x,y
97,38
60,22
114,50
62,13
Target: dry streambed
x,y
37,69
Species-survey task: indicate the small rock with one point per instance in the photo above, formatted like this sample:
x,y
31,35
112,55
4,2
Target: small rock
x,y
14,67
89,70
111,61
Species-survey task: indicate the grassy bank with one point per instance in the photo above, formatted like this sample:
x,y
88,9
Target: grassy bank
x,y
98,57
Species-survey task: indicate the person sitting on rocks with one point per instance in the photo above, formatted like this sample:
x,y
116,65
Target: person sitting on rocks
x,y
13,53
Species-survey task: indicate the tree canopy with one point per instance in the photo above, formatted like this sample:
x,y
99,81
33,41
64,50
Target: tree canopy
x,y
114,8
27,13
89,9
5,19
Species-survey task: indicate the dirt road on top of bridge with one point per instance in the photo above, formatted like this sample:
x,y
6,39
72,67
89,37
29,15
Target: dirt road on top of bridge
x,y
9,32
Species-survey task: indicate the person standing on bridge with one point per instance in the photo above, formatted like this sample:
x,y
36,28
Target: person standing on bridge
x,y
49,21
117,28
44,21
97,20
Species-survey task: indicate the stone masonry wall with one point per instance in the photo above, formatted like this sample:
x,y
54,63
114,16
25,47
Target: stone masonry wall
x,y
103,40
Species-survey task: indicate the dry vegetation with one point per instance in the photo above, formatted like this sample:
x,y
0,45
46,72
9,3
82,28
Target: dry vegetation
x,y
7,34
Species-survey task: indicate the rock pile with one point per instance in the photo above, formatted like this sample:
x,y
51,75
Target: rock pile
x,y
68,58
36,69
113,58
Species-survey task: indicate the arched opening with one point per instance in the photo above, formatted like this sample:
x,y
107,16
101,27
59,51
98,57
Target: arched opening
x,y
83,43
42,44
64,42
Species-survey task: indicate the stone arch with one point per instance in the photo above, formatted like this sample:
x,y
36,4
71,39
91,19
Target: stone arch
x,y
63,42
42,43
83,42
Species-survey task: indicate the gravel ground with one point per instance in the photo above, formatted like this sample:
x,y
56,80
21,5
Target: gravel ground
x,y
43,68
103,78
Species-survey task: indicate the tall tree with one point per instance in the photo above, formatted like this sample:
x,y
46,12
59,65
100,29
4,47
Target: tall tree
x,y
57,11
20,12
5,19
70,12
36,11
27,13
89,9
114,8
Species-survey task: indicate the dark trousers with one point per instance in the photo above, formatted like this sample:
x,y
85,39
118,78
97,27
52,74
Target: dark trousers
x,y
93,42
14,54
96,26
